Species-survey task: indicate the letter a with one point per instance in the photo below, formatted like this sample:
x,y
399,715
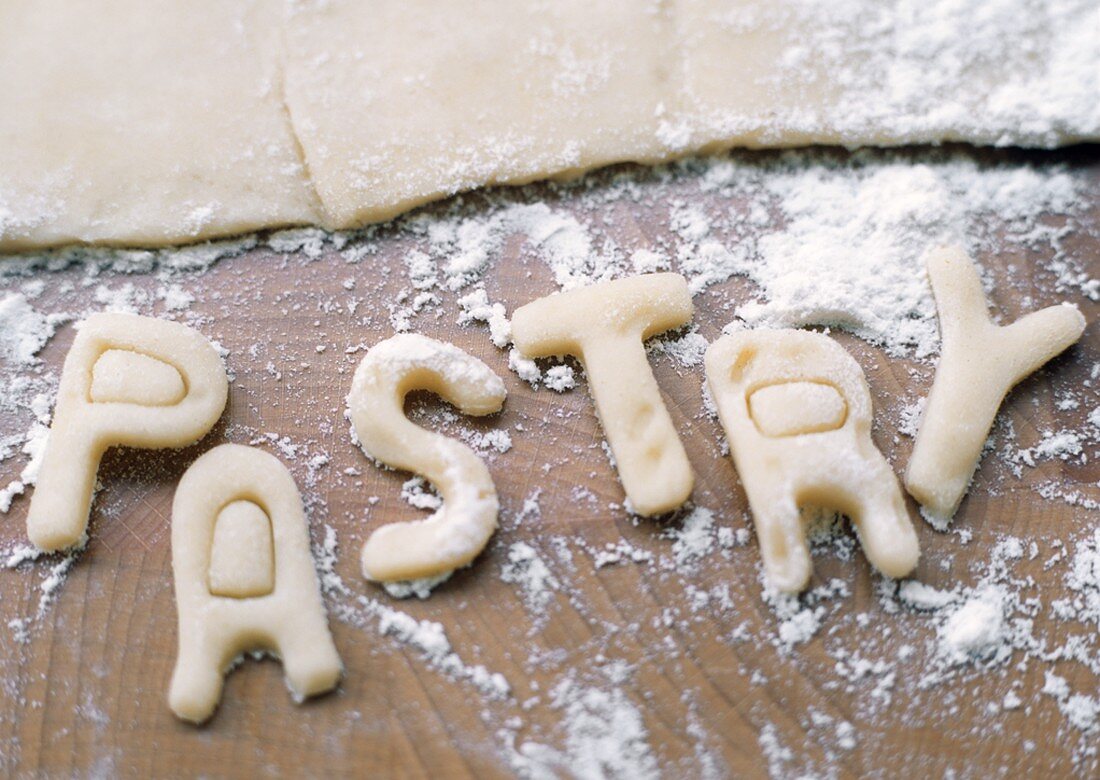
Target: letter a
x,y
244,579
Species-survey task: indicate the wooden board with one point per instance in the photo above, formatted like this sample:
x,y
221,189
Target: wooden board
x,y
85,693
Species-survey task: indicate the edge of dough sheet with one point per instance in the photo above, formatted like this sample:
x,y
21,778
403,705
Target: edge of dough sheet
x,y
145,127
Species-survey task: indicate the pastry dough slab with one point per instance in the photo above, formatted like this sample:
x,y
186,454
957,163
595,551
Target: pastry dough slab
x,y
143,123
400,102
152,123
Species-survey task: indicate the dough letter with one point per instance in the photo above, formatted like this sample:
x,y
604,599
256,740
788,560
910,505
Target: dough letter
x,y
459,530
797,412
130,381
979,364
244,579
604,326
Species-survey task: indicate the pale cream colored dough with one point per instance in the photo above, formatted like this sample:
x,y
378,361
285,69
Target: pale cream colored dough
x,y
460,529
144,123
979,363
136,122
130,381
245,579
400,102
768,73
397,102
797,412
603,326
242,525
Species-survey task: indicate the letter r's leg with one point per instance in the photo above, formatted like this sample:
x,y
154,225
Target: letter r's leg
x,y
782,539
885,532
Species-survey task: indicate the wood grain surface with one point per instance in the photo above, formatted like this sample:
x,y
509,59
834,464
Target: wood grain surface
x,y
85,693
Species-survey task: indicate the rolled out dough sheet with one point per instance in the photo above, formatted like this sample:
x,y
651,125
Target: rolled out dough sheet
x,y
398,102
888,72
143,123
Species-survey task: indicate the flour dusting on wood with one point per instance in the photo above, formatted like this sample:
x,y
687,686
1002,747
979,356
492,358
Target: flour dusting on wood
x,y
597,610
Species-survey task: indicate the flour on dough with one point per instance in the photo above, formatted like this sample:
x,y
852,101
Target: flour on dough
x,y
398,102
144,123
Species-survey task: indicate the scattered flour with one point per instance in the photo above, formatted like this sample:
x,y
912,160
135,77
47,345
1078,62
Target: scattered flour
x,y
526,569
23,329
814,241
851,252
49,587
499,441
1061,445
1082,710
976,628
825,243
695,538
427,637
421,588
800,617
34,447
419,493
605,737
687,350
475,307
560,378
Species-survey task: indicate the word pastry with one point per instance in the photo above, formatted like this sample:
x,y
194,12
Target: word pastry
x,y
795,407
